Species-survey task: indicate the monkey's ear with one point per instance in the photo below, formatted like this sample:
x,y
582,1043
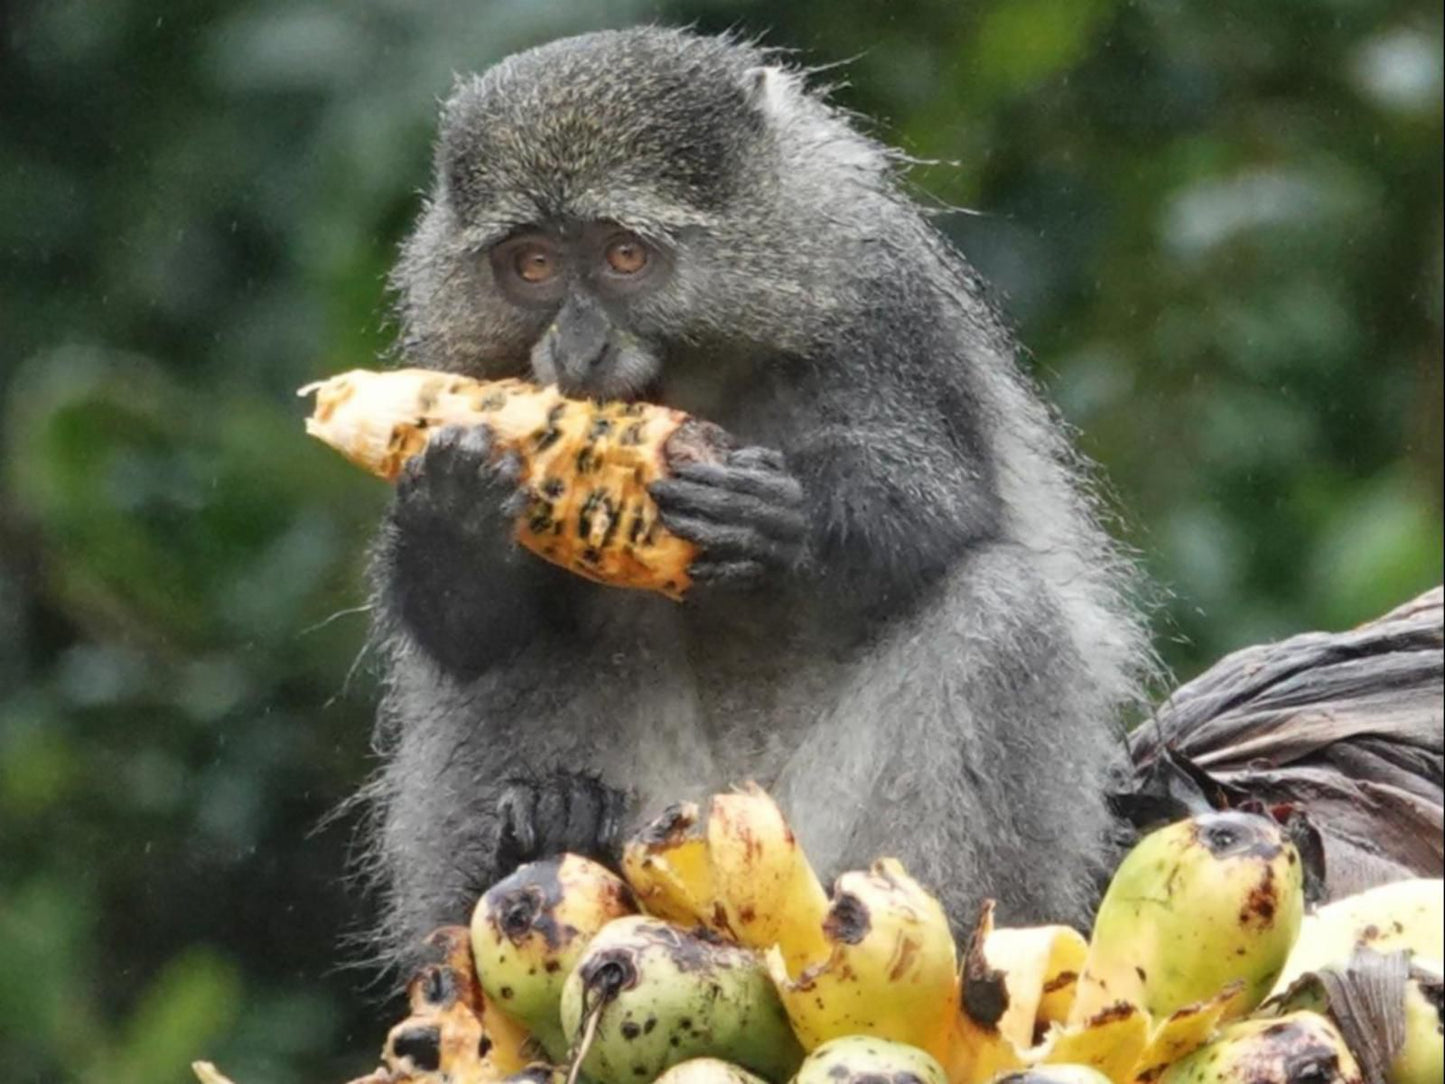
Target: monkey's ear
x,y
774,92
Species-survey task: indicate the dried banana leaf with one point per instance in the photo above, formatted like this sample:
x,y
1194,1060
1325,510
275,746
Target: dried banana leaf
x,y
1344,727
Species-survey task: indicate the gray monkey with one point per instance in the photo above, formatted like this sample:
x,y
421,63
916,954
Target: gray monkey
x,y
907,622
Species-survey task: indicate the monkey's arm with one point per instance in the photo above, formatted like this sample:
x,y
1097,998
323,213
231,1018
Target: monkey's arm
x,y
892,503
871,499
448,575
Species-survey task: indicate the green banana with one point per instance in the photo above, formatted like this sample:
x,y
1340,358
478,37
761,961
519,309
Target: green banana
x,y
707,1071
529,930
863,1059
1193,907
1301,1046
662,995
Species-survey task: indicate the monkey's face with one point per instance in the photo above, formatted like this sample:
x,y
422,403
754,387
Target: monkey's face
x,y
588,286
578,230
635,213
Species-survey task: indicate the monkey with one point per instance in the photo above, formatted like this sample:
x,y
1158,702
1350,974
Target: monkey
x,y
907,621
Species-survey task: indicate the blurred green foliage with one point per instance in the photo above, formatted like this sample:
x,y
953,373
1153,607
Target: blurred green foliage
x,y
1217,225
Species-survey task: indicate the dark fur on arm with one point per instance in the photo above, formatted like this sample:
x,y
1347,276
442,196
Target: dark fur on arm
x,y
899,482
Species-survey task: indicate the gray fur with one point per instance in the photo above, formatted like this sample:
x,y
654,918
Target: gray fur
x,y
941,673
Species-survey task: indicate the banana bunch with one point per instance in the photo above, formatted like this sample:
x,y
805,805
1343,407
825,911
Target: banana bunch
x,y
586,466
719,957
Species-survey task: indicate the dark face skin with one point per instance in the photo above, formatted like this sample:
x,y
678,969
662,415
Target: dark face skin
x,y
582,279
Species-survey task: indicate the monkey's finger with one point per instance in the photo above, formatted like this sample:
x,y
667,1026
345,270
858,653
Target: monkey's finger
x,y
596,820
726,573
756,455
551,819
507,468
462,450
585,810
517,816
452,462
507,475
775,486
679,496
609,829
728,542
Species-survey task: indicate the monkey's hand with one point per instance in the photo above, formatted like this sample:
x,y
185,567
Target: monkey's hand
x,y
459,484
563,812
746,514
450,570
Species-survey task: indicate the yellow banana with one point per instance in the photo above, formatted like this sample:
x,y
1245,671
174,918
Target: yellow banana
x,y
1185,1030
977,1048
437,987
1110,1042
889,971
1123,1044
765,889
863,1059
1040,966
529,930
1401,915
586,466
453,1030
1421,1059
666,863
1284,1050
1192,908
976,1052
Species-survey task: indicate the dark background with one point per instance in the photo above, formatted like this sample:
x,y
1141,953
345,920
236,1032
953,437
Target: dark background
x,y
1217,225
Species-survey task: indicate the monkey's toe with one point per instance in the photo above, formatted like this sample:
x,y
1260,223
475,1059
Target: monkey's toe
x,y
561,813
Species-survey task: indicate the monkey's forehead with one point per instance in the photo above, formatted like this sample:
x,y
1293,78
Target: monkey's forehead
x,y
647,116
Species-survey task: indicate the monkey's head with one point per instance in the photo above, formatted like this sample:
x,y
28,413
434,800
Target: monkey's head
x,y
612,208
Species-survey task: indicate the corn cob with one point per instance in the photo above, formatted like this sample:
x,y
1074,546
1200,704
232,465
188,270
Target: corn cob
x,y
586,466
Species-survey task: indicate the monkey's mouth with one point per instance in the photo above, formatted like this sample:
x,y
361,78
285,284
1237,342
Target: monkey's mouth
x,y
618,373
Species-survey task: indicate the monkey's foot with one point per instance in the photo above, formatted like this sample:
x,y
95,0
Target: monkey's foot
x,y
565,812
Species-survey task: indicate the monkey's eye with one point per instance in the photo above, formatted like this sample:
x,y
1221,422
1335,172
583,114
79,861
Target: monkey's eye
x,y
534,263
627,255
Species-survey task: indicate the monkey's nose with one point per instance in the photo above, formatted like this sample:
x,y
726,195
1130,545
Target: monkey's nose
x,y
575,345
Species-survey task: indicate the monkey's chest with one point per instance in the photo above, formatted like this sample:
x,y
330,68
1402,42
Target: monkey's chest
x,y
759,689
